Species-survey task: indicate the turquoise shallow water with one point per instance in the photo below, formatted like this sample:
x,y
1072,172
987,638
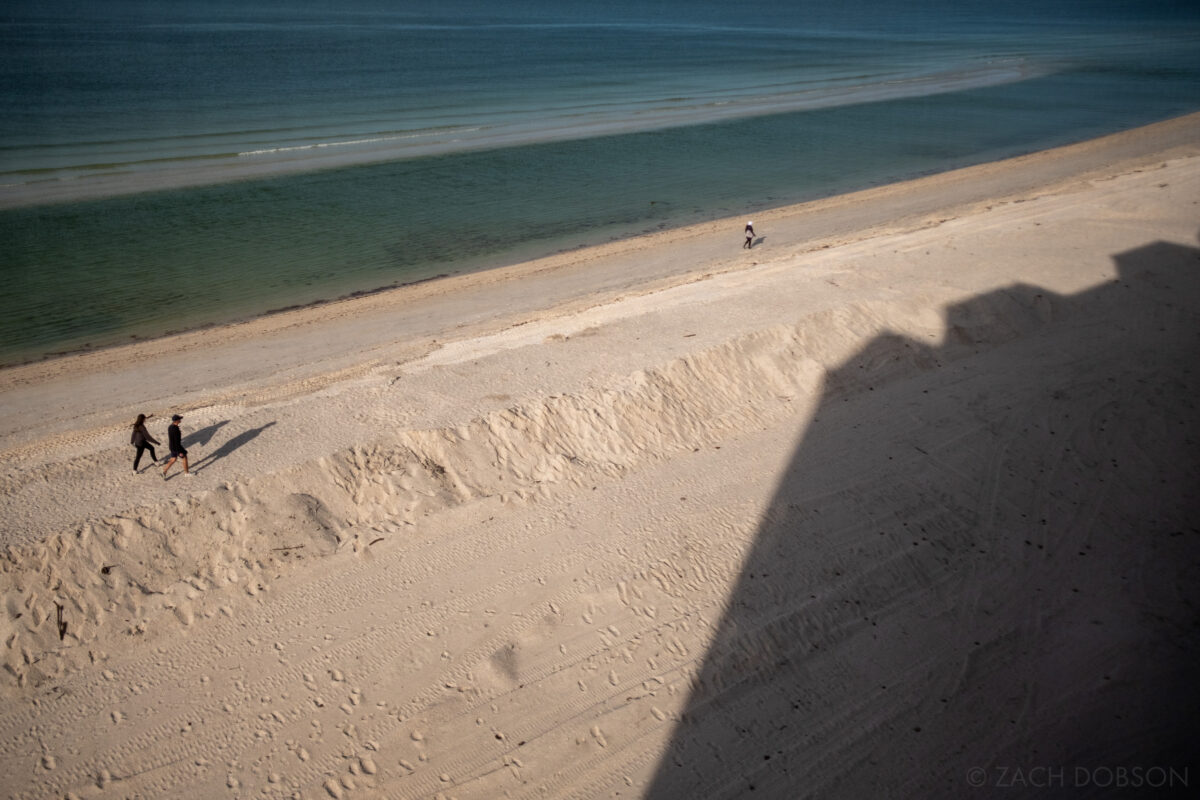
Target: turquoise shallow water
x,y
552,135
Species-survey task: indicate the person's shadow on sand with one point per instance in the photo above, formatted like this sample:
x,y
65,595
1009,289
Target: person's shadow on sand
x,y
204,435
982,557
230,446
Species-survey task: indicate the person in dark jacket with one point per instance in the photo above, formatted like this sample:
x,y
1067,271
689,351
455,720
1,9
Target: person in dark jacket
x,y
143,441
175,442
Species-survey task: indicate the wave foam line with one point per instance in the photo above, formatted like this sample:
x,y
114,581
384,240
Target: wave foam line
x,y
375,140
609,117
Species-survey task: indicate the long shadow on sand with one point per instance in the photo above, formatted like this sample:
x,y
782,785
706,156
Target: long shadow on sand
x,y
204,435
980,566
243,438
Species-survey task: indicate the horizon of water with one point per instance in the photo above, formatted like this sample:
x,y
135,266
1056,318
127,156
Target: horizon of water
x,y
170,168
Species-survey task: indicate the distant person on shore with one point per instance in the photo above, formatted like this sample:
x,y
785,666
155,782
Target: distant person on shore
x,y
749,236
175,442
143,441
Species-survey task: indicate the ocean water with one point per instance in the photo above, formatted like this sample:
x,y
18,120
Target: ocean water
x,y
169,166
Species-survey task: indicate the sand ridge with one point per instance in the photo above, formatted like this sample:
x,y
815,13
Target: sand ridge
x,y
541,557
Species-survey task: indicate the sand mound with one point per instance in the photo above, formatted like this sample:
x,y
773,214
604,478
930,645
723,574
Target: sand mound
x,y
121,573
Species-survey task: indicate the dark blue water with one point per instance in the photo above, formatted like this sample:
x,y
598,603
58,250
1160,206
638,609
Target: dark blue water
x,y
399,146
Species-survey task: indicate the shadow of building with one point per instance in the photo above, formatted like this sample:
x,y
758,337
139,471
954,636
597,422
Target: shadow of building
x,y
980,566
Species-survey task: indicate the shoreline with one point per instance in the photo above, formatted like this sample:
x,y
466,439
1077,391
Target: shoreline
x,y
134,339
567,254
1129,147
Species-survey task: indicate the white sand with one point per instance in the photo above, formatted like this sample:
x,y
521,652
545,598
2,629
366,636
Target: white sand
x,y
907,490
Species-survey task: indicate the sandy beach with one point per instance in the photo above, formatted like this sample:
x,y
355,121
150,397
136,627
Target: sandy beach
x,y
902,502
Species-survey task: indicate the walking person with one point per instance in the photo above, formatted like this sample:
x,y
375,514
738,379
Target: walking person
x,y
749,236
143,441
175,442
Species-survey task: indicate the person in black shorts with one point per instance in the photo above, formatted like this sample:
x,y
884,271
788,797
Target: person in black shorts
x,y
749,236
175,442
